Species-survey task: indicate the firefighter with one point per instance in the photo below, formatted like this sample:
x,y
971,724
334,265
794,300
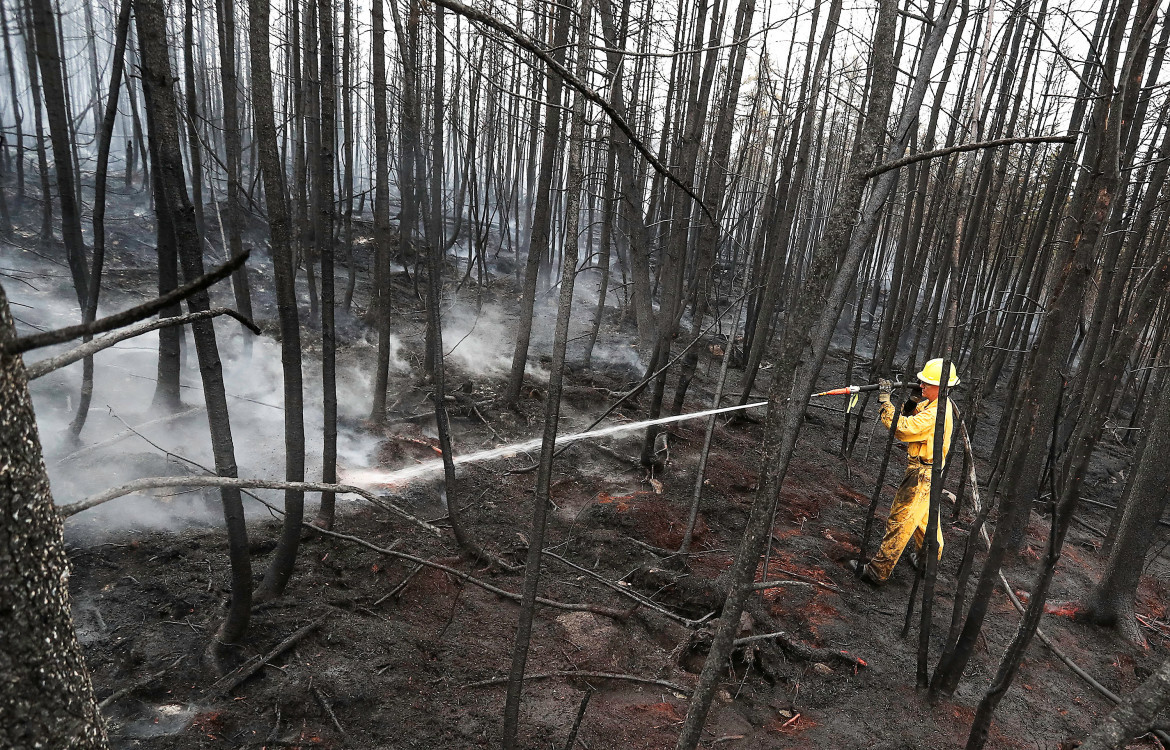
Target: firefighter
x,y
910,510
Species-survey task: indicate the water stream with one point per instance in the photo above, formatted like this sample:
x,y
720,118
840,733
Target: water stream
x,y
371,477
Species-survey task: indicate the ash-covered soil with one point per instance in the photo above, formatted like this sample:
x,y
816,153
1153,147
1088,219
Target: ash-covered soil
x,y
413,670
410,657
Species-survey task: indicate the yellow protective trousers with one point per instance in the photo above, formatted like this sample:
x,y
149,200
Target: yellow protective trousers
x,y
908,517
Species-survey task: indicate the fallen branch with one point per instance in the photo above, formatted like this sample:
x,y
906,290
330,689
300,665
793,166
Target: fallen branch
x,y
228,682
150,483
616,614
126,317
798,650
399,588
806,579
625,591
765,585
49,364
328,709
141,682
572,741
591,675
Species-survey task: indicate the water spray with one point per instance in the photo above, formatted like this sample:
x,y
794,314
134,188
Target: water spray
x,y
383,478
372,477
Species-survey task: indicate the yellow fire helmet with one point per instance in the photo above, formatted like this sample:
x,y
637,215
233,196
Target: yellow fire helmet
x,y
932,374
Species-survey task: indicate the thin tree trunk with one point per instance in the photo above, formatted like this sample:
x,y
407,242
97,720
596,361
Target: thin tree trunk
x,y
52,81
380,294
162,106
538,245
39,131
17,116
279,227
226,26
325,248
105,137
553,399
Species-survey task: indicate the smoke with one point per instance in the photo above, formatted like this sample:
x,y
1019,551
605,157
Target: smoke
x,y
479,342
126,438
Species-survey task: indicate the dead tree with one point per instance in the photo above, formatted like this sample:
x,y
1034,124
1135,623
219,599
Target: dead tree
x,y
541,500
226,28
1111,602
279,227
538,244
326,216
44,25
105,137
381,296
162,108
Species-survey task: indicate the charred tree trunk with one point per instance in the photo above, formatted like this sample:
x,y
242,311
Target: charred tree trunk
x,y
18,118
47,700
52,82
226,26
162,108
284,269
381,296
538,245
105,137
325,247
552,410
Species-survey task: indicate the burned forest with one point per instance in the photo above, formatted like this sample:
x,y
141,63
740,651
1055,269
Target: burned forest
x,y
584,374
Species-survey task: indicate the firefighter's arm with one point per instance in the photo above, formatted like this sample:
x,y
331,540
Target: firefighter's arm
x,y
916,428
913,429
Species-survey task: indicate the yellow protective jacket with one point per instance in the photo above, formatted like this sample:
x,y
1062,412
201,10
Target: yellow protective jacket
x,y
917,430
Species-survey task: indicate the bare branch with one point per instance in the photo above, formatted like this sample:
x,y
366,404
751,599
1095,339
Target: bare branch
x,y
923,155
127,317
49,364
537,49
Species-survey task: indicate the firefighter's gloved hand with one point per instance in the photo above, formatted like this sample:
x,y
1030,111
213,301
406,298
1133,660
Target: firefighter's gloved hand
x,y
910,405
885,388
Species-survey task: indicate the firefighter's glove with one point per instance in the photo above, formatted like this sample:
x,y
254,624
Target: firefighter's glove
x,y
885,388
